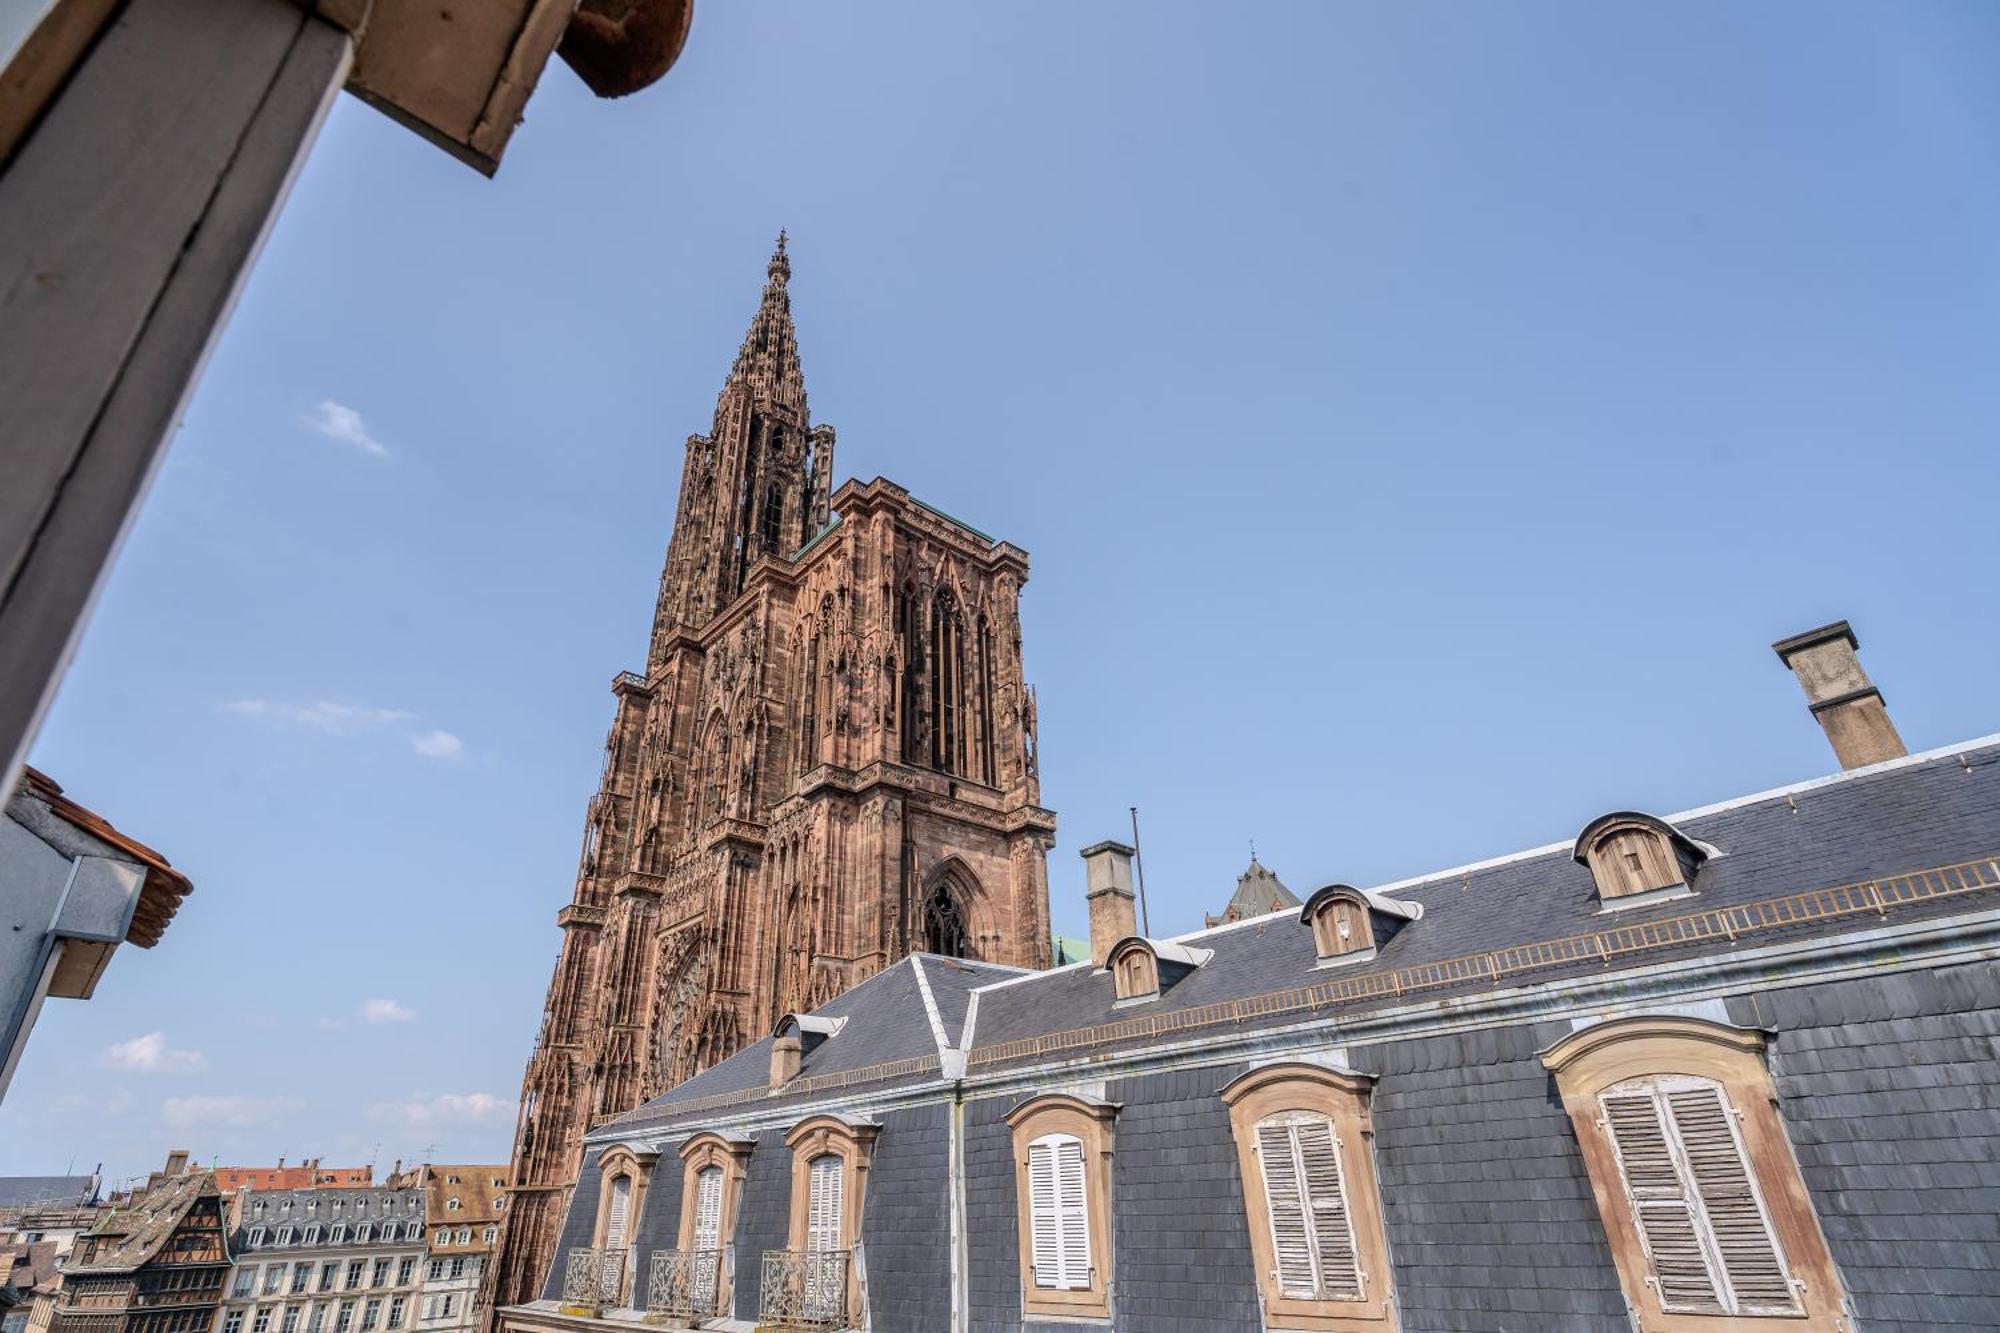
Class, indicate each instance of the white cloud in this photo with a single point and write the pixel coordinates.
(385, 1011)
(447, 1108)
(111, 1105)
(233, 1112)
(150, 1054)
(343, 425)
(440, 745)
(327, 715)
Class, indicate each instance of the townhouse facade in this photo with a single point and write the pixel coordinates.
(1725, 1071)
(325, 1260)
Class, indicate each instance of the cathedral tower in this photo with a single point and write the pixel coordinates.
(829, 763)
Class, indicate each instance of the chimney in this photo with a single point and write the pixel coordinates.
(787, 1052)
(1840, 696)
(1108, 891)
(281, 1163)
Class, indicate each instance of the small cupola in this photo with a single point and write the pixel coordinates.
(1637, 858)
(1351, 925)
(1142, 969)
(796, 1037)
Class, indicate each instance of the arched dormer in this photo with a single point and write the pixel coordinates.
(1351, 925)
(1141, 969)
(1637, 858)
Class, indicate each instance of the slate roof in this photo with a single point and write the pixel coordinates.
(47, 1191)
(888, 1023)
(1921, 813)
(143, 1226)
(332, 1205)
(1929, 811)
(1258, 891)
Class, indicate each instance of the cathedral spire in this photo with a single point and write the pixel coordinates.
(768, 361)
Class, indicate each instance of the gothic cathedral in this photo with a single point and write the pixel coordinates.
(829, 763)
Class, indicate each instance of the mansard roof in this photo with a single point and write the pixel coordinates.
(906, 1016)
(1903, 842)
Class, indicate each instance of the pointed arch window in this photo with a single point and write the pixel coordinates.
(945, 931)
(909, 630)
(947, 684)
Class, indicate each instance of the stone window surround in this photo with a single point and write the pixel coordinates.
(700, 1152)
(1341, 1095)
(621, 1161)
(1603, 1054)
(853, 1141)
(1092, 1122)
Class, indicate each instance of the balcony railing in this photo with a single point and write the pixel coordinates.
(685, 1284)
(803, 1289)
(594, 1278)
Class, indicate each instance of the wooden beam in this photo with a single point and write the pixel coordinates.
(128, 220)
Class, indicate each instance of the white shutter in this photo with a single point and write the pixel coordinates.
(1073, 1214)
(1312, 1236)
(614, 1226)
(1738, 1228)
(826, 1184)
(708, 1208)
(1046, 1256)
(1291, 1248)
(1695, 1202)
(1058, 1213)
(1326, 1195)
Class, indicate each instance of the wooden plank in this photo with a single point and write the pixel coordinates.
(94, 212)
(89, 503)
(43, 62)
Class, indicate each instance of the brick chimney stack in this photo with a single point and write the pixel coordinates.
(1108, 891)
(1840, 695)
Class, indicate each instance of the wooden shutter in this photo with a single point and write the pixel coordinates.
(1707, 1238)
(1738, 1228)
(614, 1226)
(826, 1188)
(1058, 1213)
(1073, 1214)
(708, 1208)
(1291, 1247)
(1312, 1236)
(1326, 1206)
(1046, 1244)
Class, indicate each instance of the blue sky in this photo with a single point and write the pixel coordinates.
(1422, 420)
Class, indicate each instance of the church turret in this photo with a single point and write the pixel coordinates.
(758, 483)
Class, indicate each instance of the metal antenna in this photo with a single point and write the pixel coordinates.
(1139, 863)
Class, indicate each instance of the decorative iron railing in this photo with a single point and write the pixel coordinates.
(685, 1284)
(594, 1277)
(803, 1289)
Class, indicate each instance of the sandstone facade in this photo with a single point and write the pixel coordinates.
(828, 763)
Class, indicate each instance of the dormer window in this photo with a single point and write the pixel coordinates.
(1141, 968)
(1637, 859)
(796, 1037)
(1350, 925)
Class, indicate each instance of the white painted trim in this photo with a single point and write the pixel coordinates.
(930, 1007)
(1455, 872)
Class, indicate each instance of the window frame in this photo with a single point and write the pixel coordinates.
(700, 1153)
(1091, 1123)
(1289, 1088)
(853, 1141)
(621, 1161)
(1615, 1052)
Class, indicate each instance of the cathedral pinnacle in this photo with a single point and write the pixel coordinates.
(780, 267)
(769, 359)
